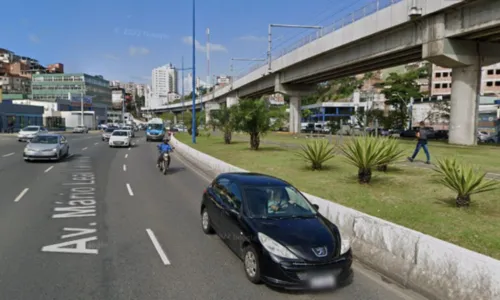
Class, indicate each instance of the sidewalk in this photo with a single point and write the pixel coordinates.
(405, 163)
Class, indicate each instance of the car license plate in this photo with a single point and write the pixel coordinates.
(324, 281)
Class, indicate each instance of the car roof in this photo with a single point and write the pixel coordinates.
(255, 179)
(51, 134)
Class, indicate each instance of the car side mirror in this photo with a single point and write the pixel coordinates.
(316, 206)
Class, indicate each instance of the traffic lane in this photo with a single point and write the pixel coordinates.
(31, 232)
(169, 206)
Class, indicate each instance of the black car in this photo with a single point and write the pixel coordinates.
(280, 236)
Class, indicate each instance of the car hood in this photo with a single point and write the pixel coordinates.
(154, 131)
(301, 236)
(119, 138)
(27, 132)
(41, 147)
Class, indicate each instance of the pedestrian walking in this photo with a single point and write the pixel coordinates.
(422, 135)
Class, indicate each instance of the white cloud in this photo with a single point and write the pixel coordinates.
(213, 47)
(252, 38)
(132, 50)
(33, 38)
(111, 56)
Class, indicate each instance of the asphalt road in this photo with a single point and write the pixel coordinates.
(105, 224)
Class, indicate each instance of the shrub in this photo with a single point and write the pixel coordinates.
(392, 152)
(463, 180)
(364, 153)
(316, 153)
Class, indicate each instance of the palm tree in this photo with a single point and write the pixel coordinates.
(253, 117)
(392, 152)
(224, 120)
(463, 180)
(316, 153)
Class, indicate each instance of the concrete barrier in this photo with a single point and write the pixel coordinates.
(435, 268)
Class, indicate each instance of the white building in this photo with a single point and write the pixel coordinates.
(164, 81)
(188, 84)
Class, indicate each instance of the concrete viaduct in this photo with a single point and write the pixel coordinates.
(460, 34)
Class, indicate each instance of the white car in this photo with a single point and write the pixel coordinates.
(120, 138)
(29, 132)
(130, 129)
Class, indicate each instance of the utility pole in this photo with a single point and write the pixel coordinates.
(208, 56)
(193, 123)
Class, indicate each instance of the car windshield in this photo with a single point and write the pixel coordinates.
(30, 128)
(276, 202)
(120, 133)
(45, 140)
(110, 130)
(155, 126)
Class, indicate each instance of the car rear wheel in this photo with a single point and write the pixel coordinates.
(205, 222)
(251, 264)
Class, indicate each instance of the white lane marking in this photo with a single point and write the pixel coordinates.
(130, 190)
(124, 167)
(84, 149)
(96, 143)
(21, 195)
(158, 248)
(128, 148)
(48, 169)
(9, 154)
(126, 155)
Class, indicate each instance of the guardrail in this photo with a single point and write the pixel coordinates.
(348, 19)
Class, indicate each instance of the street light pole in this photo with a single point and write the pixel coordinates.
(270, 38)
(208, 57)
(81, 105)
(193, 123)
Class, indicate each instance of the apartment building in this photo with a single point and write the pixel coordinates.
(164, 81)
(442, 80)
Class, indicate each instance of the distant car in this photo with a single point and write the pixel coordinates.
(46, 147)
(281, 237)
(80, 129)
(29, 132)
(129, 128)
(120, 138)
(107, 133)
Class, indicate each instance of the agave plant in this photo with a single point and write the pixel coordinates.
(316, 153)
(463, 180)
(392, 152)
(364, 153)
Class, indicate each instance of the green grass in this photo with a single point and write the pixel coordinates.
(409, 197)
(484, 156)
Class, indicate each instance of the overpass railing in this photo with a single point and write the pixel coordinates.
(365, 11)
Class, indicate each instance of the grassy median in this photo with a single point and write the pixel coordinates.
(484, 156)
(406, 196)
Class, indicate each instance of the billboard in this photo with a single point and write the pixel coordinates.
(223, 80)
(117, 97)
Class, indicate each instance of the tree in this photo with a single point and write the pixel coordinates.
(253, 117)
(224, 120)
(168, 116)
(187, 119)
(439, 111)
(398, 89)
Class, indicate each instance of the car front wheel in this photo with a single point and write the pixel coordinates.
(251, 264)
(205, 222)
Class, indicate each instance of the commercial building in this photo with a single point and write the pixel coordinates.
(15, 117)
(49, 87)
(164, 82)
(14, 84)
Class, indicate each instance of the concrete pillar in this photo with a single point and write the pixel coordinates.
(295, 114)
(175, 118)
(207, 116)
(465, 89)
(230, 101)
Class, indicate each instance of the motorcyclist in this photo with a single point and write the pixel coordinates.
(162, 148)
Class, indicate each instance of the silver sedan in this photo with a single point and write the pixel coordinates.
(46, 147)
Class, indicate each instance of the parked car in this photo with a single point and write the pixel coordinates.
(120, 138)
(281, 237)
(80, 129)
(29, 132)
(46, 147)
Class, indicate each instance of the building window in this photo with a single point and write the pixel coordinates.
(490, 72)
(437, 86)
(497, 71)
(489, 83)
(445, 85)
(438, 75)
(445, 74)
(497, 83)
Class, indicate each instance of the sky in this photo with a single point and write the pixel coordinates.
(124, 40)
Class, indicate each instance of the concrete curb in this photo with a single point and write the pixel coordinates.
(435, 268)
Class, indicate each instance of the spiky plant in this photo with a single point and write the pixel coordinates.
(392, 152)
(364, 153)
(464, 180)
(316, 153)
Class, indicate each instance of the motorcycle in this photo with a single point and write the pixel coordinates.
(164, 163)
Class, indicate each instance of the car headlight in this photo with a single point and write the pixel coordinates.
(274, 247)
(345, 245)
